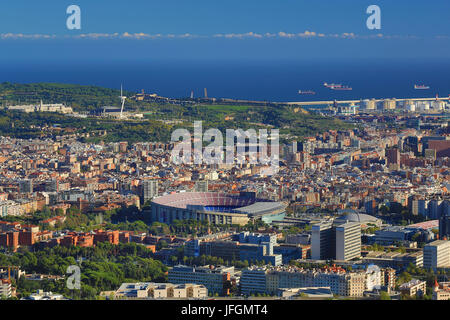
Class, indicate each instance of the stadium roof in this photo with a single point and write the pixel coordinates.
(260, 208)
(224, 202)
(182, 200)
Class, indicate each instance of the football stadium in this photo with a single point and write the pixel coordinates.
(216, 208)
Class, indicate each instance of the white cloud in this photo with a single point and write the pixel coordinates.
(248, 35)
(286, 35)
(96, 35)
(25, 36)
(238, 35)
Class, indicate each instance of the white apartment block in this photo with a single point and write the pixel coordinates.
(56, 107)
(161, 291)
(5, 289)
(348, 241)
(437, 255)
(10, 208)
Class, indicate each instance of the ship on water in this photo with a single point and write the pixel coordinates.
(306, 92)
(342, 88)
(331, 85)
(421, 87)
(339, 86)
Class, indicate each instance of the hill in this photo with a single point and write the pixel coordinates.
(293, 122)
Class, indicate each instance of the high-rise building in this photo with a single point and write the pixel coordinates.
(393, 157)
(149, 189)
(389, 104)
(411, 144)
(419, 207)
(389, 278)
(436, 255)
(336, 240)
(370, 104)
(434, 209)
(348, 241)
(323, 241)
(52, 185)
(444, 226)
(26, 186)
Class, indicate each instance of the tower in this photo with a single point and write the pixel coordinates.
(122, 99)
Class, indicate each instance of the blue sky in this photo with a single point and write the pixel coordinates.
(276, 29)
(230, 16)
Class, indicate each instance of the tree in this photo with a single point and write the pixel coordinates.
(173, 260)
(384, 295)
(404, 277)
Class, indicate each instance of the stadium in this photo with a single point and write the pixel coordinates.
(216, 208)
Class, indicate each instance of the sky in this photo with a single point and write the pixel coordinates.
(231, 29)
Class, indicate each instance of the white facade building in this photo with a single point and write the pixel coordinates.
(436, 255)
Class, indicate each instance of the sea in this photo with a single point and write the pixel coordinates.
(263, 80)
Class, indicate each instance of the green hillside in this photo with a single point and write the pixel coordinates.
(294, 122)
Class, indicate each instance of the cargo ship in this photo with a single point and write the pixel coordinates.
(421, 87)
(306, 92)
(332, 85)
(342, 88)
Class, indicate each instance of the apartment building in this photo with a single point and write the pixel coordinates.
(234, 250)
(5, 288)
(436, 255)
(395, 260)
(161, 291)
(270, 280)
(255, 280)
(323, 241)
(213, 278)
(149, 189)
(414, 287)
(336, 240)
(348, 241)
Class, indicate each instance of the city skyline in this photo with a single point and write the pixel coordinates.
(250, 151)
